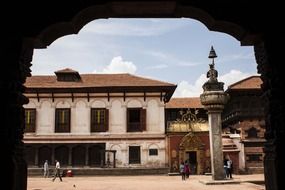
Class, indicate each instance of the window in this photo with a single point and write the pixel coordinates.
(30, 120)
(136, 119)
(99, 120)
(62, 120)
(254, 157)
(134, 155)
(153, 152)
(172, 115)
(252, 133)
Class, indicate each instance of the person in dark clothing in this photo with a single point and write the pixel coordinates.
(186, 169)
(229, 168)
(226, 167)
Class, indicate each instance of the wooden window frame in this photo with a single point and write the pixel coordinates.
(134, 154)
(138, 126)
(30, 120)
(62, 125)
(252, 132)
(97, 122)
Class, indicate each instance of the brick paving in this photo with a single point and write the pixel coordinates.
(154, 182)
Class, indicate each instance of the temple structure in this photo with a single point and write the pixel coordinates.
(187, 135)
(243, 119)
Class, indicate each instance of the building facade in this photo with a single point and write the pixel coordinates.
(96, 120)
(187, 132)
(186, 124)
(243, 119)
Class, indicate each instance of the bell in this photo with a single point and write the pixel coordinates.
(212, 53)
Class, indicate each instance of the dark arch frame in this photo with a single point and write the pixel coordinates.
(34, 27)
(57, 30)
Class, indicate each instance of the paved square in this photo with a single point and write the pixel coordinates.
(153, 182)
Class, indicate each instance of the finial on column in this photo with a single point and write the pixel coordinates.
(212, 55)
(212, 74)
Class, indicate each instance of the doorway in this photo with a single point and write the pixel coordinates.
(192, 159)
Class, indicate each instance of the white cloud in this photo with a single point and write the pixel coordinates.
(186, 89)
(117, 65)
(233, 76)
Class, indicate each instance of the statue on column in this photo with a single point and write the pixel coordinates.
(212, 74)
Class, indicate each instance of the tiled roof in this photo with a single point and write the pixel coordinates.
(252, 82)
(66, 70)
(94, 80)
(193, 102)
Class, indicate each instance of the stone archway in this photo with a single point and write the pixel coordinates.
(34, 27)
(192, 149)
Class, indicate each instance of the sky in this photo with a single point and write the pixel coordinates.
(169, 50)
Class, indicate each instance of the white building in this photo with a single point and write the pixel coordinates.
(90, 120)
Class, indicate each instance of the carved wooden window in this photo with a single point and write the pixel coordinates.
(30, 120)
(62, 120)
(252, 133)
(99, 120)
(136, 119)
(134, 155)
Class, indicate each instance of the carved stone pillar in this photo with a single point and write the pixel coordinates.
(16, 70)
(270, 66)
(213, 99)
(214, 102)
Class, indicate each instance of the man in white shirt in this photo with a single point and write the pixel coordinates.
(57, 170)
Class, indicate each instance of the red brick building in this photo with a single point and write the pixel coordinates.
(244, 116)
(187, 134)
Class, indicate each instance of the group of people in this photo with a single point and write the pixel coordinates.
(184, 169)
(56, 170)
(228, 167)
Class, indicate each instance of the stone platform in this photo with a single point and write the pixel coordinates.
(220, 182)
(103, 171)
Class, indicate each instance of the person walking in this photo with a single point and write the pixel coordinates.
(57, 170)
(186, 169)
(182, 171)
(229, 168)
(226, 167)
(46, 169)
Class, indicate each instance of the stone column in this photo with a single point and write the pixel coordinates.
(114, 158)
(214, 98)
(37, 156)
(86, 156)
(214, 102)
(70, 156)
(216, 146)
